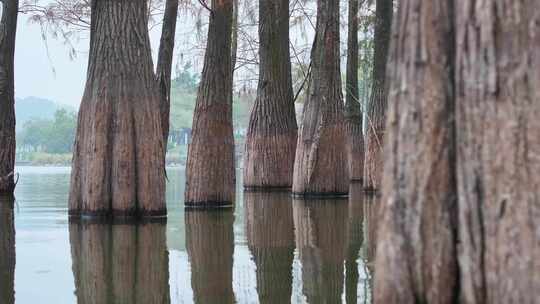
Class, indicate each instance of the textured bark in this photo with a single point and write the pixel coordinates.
(8, 29)
(320, 166)
(7, 250)
(270, 236)
(416, 258)
(272, 131)
(355, 236)
(112, 263)
(320, 227)
(497, 106)
(210, 246)
(210, 166)
(118, 166)
(376, 107)
(164, 65)
(353, 111)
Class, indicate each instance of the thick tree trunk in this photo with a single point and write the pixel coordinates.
(498, 128)
(8, 29)
(321, 160)
(353, 111)
(270, 236)
(416, 255)
(7, 250)
(112, 263)
(320, 227)
(118, 166)
(210, 166)
(272, 132)
(354, 243)
(376, 107)
(210, 246)
(164, 65)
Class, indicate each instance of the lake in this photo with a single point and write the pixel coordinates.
(269, 249)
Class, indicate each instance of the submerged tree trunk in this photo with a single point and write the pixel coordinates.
(498, 132)
(355, 238)
(210, 246)
(376, 107)
(320, 227)
(7, 250)
(353, 110)
(272, 131)
(8, 29)
(417, 228)
(210, 168)
(113, 263)
(164, 65)
(118, 166)
(270, 236)
(321, 165)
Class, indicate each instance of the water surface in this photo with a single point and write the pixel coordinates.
(269, 249)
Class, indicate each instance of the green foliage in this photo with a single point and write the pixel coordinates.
(51, 136)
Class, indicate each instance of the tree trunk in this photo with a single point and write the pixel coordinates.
(270, 236)
(497, 106)
(272, 132)
(376, 107)
(321, 166)
(8, 29)
(210, 166)
(353, 111)
(164, 65)
(210, 246)
(320, 227)
(416, 255)
(355, 238)
(118, 166)
(112, 263)
(7, 249)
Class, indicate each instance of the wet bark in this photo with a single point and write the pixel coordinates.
(272, 131)
(164, 65)
(118, 166)
(270, 236)
(355, 239)
(497, 98)
(7, 250)
(8, 29)
(320, 227)
(113, 263)
(377, 105)
(210, 246)
(210, 168)
(353, 109)
(416, 254)
(321, 165)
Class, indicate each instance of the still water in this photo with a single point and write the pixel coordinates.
(270, 249)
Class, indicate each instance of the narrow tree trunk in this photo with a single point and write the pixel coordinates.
(272, 132)
(7, 250)
(355, 238)
(353, 111)
(112, 263)
(270, 236)
(210, 166)
(164, 65)
(376, 107)
(321, 165)
(118, 165)
(498, 128)
(8, 29)
(320, 238)
(210, 246)
(416, 252)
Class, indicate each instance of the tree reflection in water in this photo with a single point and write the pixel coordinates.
(7, 250)
(210, 246)
(119, 263)
(270, 235)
